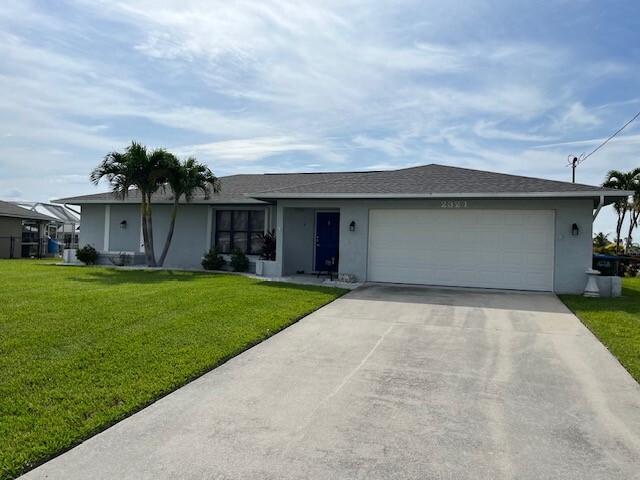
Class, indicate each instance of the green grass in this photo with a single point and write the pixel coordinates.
(615, 321)
(84, 347)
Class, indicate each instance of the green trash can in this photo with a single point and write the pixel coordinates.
(607, 265)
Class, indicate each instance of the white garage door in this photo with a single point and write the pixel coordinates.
(509, 249)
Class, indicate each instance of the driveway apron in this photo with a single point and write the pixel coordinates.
(392, 382)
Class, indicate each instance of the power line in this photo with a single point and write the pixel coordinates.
(603, 143)
(575, 161)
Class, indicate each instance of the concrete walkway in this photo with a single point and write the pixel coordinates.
(392, 382)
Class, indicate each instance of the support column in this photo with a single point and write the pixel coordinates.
(279, 239)
(107, 227)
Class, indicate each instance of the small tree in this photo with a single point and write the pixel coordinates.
(87, 255)
(239, 261)
(213, 260)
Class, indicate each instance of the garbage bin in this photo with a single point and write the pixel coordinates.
(607, 265)
(53, 247)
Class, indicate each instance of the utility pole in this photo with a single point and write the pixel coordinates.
(573, 163)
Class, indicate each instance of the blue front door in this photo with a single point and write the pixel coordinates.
(327, 239)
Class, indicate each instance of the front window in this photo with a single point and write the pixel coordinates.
(238, 230)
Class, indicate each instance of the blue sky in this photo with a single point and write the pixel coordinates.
(273, 86)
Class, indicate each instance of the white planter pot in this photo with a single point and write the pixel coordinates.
(267, 268)
(69, 255)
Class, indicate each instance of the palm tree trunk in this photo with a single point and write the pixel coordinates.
(634, 214)
(172, 224)
(151, 255)
(148, 251)
(621, 216)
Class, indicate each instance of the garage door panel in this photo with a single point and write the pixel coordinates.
(469, 218)
(492, 218)
(445, 275)
(514, 219)
(496, 249)
(512, 241)
(514, 278)
(464, 275)
(538, 260)
(513, 259)
(466, 257)
(537, 279)
(489, 258)
(537, 219)
(538, 240)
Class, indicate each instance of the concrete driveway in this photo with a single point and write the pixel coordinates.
(392, 382)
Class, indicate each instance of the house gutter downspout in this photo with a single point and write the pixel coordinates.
(595, 214)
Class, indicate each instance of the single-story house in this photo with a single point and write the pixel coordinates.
(433, 225)
(65, 227)
(20, 228)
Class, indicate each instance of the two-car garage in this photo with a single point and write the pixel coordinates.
(506, 249)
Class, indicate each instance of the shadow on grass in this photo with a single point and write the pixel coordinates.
(302, 286)
(629, 302)
(112, 276)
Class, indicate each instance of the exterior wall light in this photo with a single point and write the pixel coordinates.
(123, 224)
(574, 229)
(352, 226)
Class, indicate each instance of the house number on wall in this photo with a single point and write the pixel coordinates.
(453, 204)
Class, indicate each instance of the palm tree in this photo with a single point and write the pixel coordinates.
(634, 215)
(185, 180)
(622, 181)
(147, 172)
(601, 240)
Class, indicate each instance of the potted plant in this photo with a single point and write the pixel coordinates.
(266, 264)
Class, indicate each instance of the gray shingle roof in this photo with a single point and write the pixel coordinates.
(433, 179)
(10, 210)
(423, 180)
(233, 188)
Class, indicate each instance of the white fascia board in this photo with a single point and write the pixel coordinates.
(29, 217)
(584, 194)
(239, 201)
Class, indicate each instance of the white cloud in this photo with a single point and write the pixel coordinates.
(489, 130)
(630, 140)
(388, 146)
(249, 149)
(577, 116)
(13, 193)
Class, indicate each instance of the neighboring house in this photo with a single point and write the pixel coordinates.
(22, 232)
(66, 226)
(434, 225)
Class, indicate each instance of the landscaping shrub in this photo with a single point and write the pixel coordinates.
(267, 245)
(239, 261)
(121, 260)
(87, 255)
(213, 260)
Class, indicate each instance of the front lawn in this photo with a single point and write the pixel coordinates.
(615, 321)
(84, 347)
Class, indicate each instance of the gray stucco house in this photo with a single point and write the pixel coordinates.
(433, 224)
(22, 232)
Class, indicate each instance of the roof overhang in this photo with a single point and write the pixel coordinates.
(595, 195)
(30, 217)
(136, 201)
